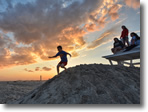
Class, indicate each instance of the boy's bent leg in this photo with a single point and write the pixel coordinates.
(58, 66)
(63, 66)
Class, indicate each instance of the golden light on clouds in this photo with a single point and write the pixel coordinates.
(38, 28)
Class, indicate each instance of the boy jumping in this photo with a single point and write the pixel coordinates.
(63, 56)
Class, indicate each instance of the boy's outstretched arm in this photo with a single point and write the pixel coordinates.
(52, 56)
(69, 54)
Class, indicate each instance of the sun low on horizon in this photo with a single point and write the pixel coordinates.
(31, 30)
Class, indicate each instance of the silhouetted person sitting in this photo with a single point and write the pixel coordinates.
(63, 56)
(135, 41)
(118, 45)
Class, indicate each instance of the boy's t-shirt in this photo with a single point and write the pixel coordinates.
(63, 56)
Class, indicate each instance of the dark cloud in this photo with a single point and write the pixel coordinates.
(2, 42)
(28, 70)
(43, 25)
(43, 69)
(37, 69)
(46, 69)
(45, 20)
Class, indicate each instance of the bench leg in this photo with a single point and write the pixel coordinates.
(119, 63)
(111, 62)
(131, 63)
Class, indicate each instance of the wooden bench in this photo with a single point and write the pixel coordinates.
(121, 57)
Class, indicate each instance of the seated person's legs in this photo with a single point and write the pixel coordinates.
(130, 47)
(117, 49)
(112, 50)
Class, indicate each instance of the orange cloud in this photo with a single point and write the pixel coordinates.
(104, 11)
(90, 27)
(74, 54)
(113, 11)
(133, 3)
(38, 28)
(102, 21)
(10, 58)
(73, 36)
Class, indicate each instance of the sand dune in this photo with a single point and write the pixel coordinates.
(89, 84)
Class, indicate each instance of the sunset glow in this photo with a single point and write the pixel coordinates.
(31, 30)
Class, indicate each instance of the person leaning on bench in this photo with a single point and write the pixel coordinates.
(118, 46)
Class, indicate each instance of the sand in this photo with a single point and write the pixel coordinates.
(13, 90)
(89, 84)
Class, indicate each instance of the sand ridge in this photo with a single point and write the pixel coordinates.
(89, 84)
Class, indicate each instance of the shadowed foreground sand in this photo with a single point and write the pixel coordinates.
(14, 90)
(89, 84)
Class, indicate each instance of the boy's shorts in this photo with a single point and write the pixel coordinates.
(63, 63)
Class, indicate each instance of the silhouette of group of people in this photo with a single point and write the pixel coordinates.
(123, 43)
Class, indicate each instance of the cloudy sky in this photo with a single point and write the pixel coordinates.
(31, 30)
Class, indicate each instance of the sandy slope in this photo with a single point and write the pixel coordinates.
(13, 90)
(89, 84)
